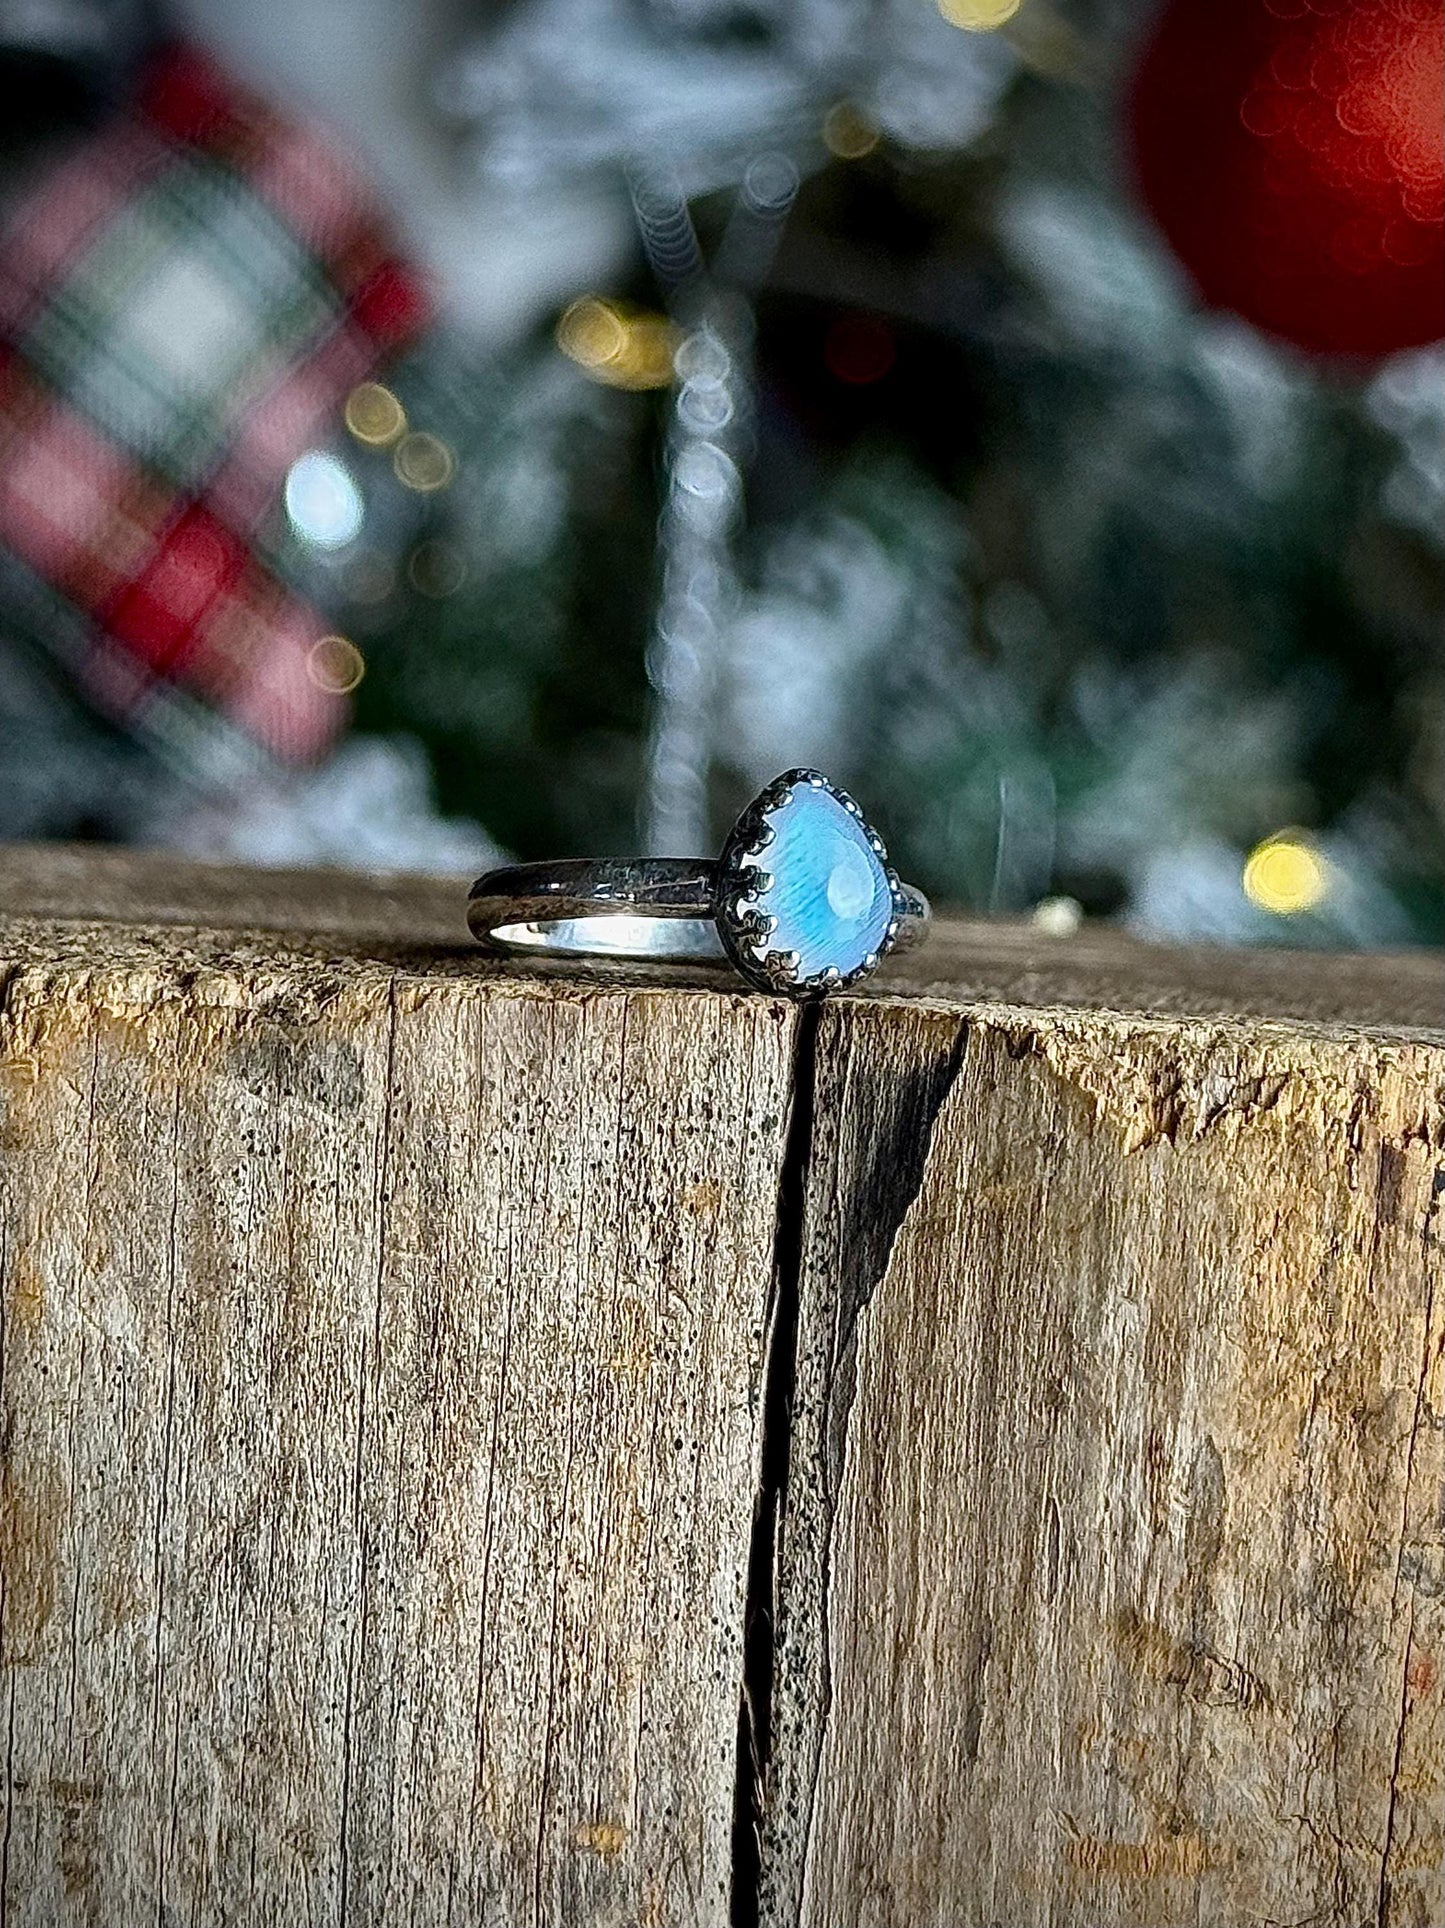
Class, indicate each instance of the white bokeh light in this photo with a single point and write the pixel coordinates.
(323, 501)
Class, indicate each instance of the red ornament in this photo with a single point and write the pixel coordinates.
(1291, 150)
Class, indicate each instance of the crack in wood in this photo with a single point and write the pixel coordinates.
(893, 1164)
(755, 1708)
(856, 1177)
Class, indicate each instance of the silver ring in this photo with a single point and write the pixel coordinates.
(803, 899)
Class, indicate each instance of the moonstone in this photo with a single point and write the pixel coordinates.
(830, 893)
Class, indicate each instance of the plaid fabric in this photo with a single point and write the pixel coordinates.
(184, 304)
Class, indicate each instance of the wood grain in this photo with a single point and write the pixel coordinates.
(437, 1394)
(380, 1392)
(1112, 1572)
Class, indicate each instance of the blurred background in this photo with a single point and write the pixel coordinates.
(431, 429)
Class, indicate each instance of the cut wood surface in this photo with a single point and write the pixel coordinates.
(441, 1396)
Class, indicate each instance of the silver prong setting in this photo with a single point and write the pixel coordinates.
(781, 969)
(748, 927)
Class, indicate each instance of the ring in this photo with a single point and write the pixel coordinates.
(802, 900)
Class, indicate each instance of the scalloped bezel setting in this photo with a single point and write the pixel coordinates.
(779, 926)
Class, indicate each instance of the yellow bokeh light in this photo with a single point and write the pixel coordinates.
(848, 133)
(978, 16)
(335, 665)
(375, 416)
(423, 462)
(592, 332)
(624, 347)
(646, 361)
(1286, 875)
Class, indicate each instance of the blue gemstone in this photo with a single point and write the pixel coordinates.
(830, 893)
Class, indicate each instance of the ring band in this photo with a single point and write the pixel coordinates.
(802, 900)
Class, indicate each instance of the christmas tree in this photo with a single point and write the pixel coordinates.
(1029, 420)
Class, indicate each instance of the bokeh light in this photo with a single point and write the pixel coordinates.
(591, 332)
(424, 462)
(1057, 916)
(848, 133)
(374, 415)
(978, 16)
(1286, 875)
(322, 500)
(622, 346)
(335, 665)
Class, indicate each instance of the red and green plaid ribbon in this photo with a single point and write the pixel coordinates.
(185, 302)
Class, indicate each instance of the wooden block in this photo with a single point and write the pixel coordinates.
(380, 1385)
(1112, 1583)
(490, 1445)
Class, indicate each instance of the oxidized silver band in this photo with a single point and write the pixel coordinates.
(687, 909)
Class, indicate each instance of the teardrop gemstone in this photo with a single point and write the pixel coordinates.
(830, 894)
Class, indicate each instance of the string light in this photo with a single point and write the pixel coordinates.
(978, 16)
(1286, 875)
(423, 462)
(622, 346)
(335, 665)
(848, 133)
(374, 415)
